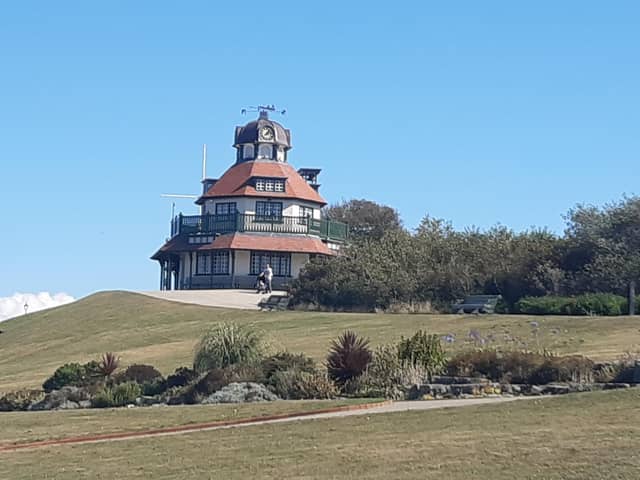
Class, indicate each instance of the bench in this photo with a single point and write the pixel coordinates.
(477, 304)
(274, 302)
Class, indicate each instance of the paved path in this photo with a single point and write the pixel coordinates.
(224, 298)
(368, 409)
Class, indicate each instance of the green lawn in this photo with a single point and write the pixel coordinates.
(144, 329)
(21, 427)
(585, 436)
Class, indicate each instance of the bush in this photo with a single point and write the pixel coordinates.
(574, 368)
(386, 376)
(522, 367)
(423, 350)
(73, 374)
(287, 361)
(228, 344)
(20, 400)
(348, 357)
(296, 384)
(181, 377)
(138, 374)
(118, 396)
(588, 304)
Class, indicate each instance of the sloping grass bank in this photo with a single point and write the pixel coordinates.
(147, 330)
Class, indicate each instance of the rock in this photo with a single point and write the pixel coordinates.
(84, 403)
(613, 386)
(241, 393)
(68, 405)
(57, 399)
(448, 380)
(146, 400)
(554, 389)
(536, 390)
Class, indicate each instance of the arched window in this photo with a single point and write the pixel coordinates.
(265, 151)
(247, 151)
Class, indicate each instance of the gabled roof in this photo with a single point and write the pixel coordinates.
(235, 182)
(243, 241)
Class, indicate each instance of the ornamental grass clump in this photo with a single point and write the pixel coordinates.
(108, 364)
(229, 344)
(423, 350)
(348, 357)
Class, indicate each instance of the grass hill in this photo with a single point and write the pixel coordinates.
(143, 329)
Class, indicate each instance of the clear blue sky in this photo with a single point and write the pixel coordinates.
(477, 112)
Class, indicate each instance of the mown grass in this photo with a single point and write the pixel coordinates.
(21, 427)
(147, 330)
(585, 436)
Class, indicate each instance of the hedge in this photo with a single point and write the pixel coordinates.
(606, 304)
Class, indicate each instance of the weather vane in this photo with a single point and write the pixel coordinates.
(263, 108)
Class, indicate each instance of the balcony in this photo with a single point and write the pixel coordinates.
(244, 222)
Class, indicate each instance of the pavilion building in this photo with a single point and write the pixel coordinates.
(260, 211)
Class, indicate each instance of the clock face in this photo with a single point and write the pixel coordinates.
(266, 133)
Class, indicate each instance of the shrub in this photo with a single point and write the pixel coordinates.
(213, 381)
(20, 400)
(228, 344)
(574, 368)
(587, 304)
(73, 374)
(423, 350)
(522, 367)
(287, 361)
(296, 384)
(181, 377)
(118, 396)
(139, 374)
(103, 398)
(386, 376)
(109, 363)
(348, 357)
(155, 387)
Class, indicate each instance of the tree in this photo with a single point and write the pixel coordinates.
(366, 219)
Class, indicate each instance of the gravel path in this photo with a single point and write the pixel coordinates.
(371, 409)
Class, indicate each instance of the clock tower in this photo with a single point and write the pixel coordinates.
(260, 212)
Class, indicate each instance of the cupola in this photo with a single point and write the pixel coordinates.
(263, 140)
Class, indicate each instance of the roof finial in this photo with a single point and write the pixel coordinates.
(264, 110)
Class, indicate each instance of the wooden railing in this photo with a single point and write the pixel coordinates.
(244, 222)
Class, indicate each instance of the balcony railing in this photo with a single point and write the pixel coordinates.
(245, 222)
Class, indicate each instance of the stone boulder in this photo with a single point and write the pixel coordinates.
(244, 392)
(64, 399)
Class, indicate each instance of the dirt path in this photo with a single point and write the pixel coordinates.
(362, 409)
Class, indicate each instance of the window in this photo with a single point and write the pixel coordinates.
(268, 211)
(220, 262)
(280, 263)
(247, 151)
(203, 263)
(305, 214)
(280, 154)
(226, 208)
(265, 151)
(214, 263)
(270, 185)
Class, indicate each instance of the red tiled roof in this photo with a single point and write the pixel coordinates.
(243, 241)
(234, 182)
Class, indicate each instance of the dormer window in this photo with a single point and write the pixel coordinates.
(247, 151)
(265, 151)
(270, 185)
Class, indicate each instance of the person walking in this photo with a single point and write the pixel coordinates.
(268, 276)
